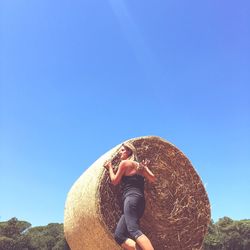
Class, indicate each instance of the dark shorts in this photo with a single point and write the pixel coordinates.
(128, 225)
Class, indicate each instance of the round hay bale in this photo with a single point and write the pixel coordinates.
(177, 207)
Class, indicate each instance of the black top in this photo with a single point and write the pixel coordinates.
(133, 184)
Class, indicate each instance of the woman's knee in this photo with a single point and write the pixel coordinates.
(129, 244)
(119, 239)
(144, 242)
(135, 232)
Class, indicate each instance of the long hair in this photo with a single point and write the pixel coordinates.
(130, 147)
(115, 159)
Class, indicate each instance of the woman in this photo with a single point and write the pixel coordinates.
(131, 174)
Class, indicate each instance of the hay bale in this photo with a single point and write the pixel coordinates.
(177, 207)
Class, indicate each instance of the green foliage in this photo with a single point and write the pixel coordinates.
(18, 235)
(13, 227)
(226, 234)
(47, 237)
(61, 245)
(12, 234)
(6, 243)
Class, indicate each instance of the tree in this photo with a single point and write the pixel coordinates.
(6, 243)
(12, 234)
(212, 240)
(226, 234)
(13, 227)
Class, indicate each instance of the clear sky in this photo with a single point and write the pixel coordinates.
(79, 77)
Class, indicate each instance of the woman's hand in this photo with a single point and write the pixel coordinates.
(142, 165)
(145, 171)
(145, 162)
(107, 165)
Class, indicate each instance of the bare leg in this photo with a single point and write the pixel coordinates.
(129, 244)
(144, 242)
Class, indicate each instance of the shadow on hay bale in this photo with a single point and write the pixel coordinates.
(177, 207)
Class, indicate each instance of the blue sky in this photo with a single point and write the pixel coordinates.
(79, 77)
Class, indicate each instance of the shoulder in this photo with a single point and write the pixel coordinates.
(128, 163)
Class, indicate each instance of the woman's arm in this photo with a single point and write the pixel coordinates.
(145, 171)
(116, 177)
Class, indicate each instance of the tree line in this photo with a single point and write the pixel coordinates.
(225, 234)
(19, 235)
(228, 234)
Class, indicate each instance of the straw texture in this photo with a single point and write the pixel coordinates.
(177, 207)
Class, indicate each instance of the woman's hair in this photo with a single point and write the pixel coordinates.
(115, 159)
(130, 147)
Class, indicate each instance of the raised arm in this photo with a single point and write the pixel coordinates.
(116, 177)
(146, 172)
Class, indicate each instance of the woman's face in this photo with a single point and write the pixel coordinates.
(124, 153)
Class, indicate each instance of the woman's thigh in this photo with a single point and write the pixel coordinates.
(133, 210)
(134, 206)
